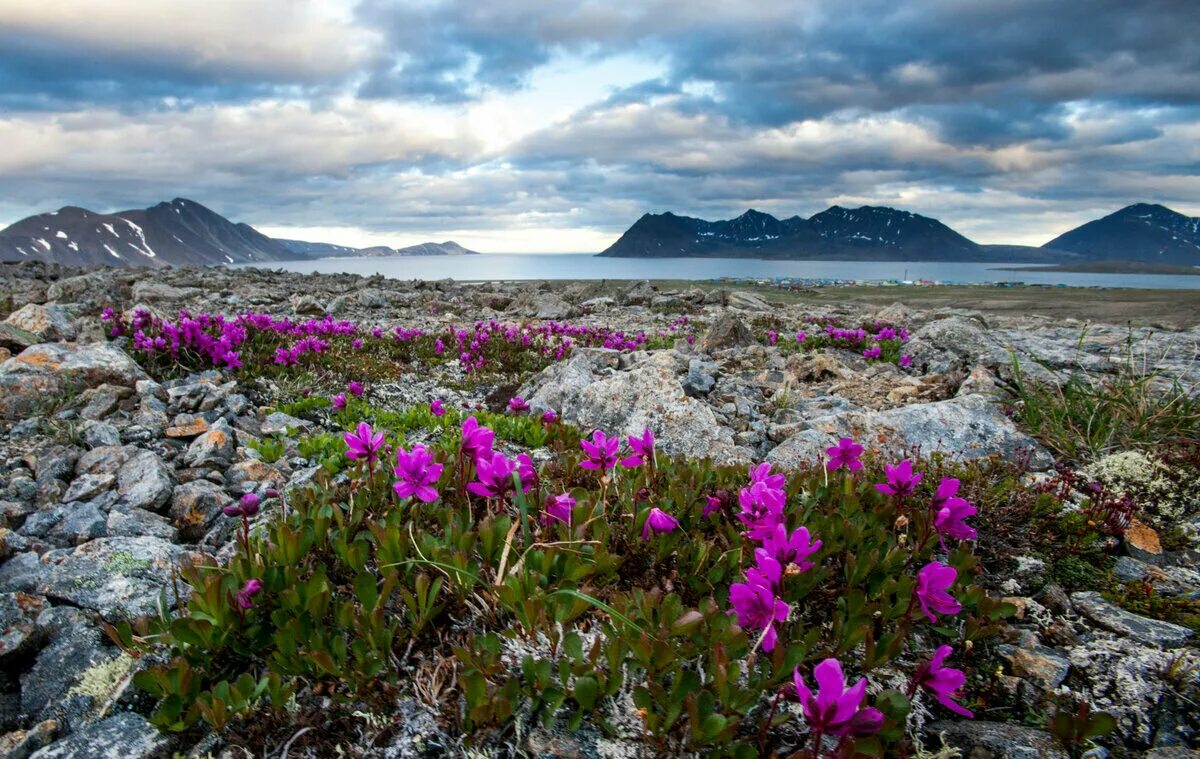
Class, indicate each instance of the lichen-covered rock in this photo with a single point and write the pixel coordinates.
(1126, 678)
(214, 448)
(48, 370)
(651, 395)
(122, 736)
(74, 646)
(117, 577)
(49, 323)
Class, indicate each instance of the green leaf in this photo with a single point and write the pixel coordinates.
(586, 690)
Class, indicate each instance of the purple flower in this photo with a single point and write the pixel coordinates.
(946, 489)
(801, 336)
(943, 682)
(836, 709)
(476, 439)
(437, 408)
(356, 343)
(844, 454)
(772, 337)
(247, 592)
(494, 473)
(932, 583)
(791, 549)
(757, 608)
(527, 472)
(766, 570)
(711, 505)
(549, 417)
(901, 480)
(416, 474)
(642, 447)
(339, 401)
(762, 473)
(659, 521)
(949, 521)
(355, 388)
(517, 405)
(558, 507)
(873, 352)
(601, 452)
(762, 510)
(905, 361)
(363, 443)
(247, 506)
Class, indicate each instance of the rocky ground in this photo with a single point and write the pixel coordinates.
(109, 478)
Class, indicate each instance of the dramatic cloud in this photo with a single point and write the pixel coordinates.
(553, 126)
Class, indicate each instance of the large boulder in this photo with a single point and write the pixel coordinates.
(540, 305)
(967, 427)
(650, 394)
(149, 291)
(116, 577)
(49, 370)
(48, 323)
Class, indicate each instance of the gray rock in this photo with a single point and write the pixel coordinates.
(19, 632)
(75, 646)
(149, 291)
(49, 323)
(280, 423)
(700, 379)
(124, 521)
(968, 427)
(196, 505)
(1143, 629)
(997, 740)
(648, 395)
(637, 294)
(747, 301)
(117, 577)
(122, 736)
(145, 482)
(80, 523)
(728, 331)
(104, 459)
(98, 434)
(1043, 666)
(87, 486)
(307, 305)
(214, 448)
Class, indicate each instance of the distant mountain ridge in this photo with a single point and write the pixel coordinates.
(1143, 232)
(864, 233)
(181, 232)
(327, 250)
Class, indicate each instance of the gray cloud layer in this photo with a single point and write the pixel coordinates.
(1041, 113)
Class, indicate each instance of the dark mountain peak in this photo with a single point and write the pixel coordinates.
(1143, 232)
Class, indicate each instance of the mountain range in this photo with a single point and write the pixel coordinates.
(179, 233)
(1141, 232)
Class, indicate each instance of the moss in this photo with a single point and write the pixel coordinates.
(1073, 572)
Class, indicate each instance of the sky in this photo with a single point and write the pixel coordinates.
(538, 126)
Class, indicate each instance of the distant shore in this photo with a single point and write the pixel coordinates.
(1110, 267)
